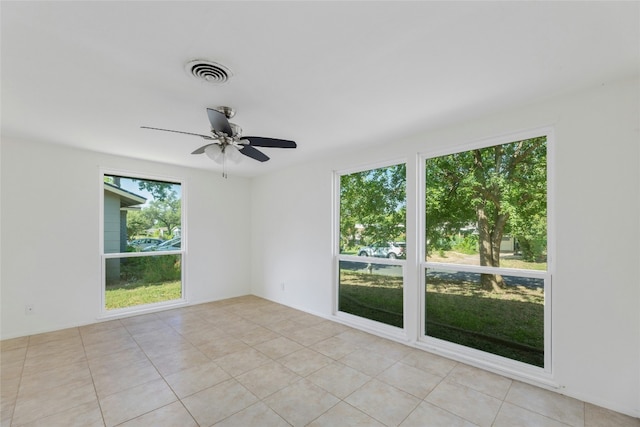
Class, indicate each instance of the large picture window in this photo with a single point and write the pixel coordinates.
(142, 242)
(372, 244)
(486, 247)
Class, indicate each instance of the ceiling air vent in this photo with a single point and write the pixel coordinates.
(208, 71)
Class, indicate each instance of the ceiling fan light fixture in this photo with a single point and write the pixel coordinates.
(214, 152)
(208, 71)
(219, 154)
(233, 154)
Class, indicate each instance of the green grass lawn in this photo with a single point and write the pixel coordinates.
(132, 294)
(509, 324)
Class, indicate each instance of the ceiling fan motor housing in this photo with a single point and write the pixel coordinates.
(227, 111)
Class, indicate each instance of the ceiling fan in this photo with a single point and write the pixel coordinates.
(228, 141)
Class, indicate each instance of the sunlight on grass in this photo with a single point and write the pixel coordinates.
(372, 296)
(132, 294)
(508, 323)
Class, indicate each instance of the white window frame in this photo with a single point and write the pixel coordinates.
(140, 309)
(379, 328)
(477, 357)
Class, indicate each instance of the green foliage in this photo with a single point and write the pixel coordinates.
(534, 250)
(162, 268)
(465, 244)
(498, 190)
(138, 223)
(164, 212)
(375, 199)
(151, 269)
(160, 190)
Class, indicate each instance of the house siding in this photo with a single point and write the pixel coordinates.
(111, 233)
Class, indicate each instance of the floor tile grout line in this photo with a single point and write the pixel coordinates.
(289, 334)
(328, 409)
(66, 409)
(93, 382)
(540, 414)
(502, 402)
(24, 361)
(495, 417)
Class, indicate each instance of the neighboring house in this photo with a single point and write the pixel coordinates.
(117, 202)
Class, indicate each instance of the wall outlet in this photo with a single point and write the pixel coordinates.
(28, 309)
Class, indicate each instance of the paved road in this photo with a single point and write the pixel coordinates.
(528, 282)
(396, 271)
(382, 269)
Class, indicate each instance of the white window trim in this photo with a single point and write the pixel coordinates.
(491, 362)
(103, 313)
(382, 329)
(414, 266)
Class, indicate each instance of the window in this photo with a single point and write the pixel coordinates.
(486, 249)
(142, 241)
(372, 220)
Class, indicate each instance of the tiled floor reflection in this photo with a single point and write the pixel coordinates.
(250, 362)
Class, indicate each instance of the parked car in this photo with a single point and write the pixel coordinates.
(140, 244)
(391, 250)
(169, 245)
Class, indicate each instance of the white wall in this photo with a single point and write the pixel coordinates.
(596, 285)
(50, 234)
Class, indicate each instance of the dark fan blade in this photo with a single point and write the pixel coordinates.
(178, 131)
(249, 151)
(219, 122)
(201, 149)
(258, 141)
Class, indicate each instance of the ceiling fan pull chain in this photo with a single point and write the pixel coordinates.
(224, 165)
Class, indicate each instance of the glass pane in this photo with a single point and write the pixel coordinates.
(141, 215)
(142, 280)
(461, 310)
(488, 206)
(373, 211)
(372, 291)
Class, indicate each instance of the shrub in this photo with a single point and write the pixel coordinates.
(161, 268)
(151, 269)
(466, 245)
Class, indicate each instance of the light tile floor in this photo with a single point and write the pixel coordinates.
(250, 362)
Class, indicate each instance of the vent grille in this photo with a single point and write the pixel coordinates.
(208, 71)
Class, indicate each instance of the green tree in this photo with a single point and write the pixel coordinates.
(137, 223)
(160, 190)
(164, 212)
(499, 189)
(375, 199)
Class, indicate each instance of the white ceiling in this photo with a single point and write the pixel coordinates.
(325, 74)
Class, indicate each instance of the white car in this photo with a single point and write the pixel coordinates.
(392, 250)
